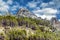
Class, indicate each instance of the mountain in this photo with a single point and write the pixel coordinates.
(55, 23)
(25, 13)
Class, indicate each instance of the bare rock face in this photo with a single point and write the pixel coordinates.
(55, 23)
(25, 13)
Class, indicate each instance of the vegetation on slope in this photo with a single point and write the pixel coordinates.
(24, 28)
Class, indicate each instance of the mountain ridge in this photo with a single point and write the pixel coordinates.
(26, 13)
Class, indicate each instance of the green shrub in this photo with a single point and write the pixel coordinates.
(16, 34)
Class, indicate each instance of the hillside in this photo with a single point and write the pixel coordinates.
(24, 28)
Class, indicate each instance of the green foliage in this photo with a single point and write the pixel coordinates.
(16, 34)
(39, 28)
(21, 34)
(13, 21)
(47, 35)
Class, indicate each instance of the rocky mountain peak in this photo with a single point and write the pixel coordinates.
(25, 13)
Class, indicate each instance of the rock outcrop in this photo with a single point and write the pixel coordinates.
(25, 13)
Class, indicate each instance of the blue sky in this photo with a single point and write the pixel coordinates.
(42, 8)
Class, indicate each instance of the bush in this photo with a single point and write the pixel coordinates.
(16, 34)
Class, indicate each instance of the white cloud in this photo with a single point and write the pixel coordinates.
(48, 17)
(3, 6)
(14, 7)
(9, 2)
(49, 10)
(1, 2)
(59, 20)
(46, 11)
(57, 3)
(44, 5)
(51, 3)
(32, 4)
